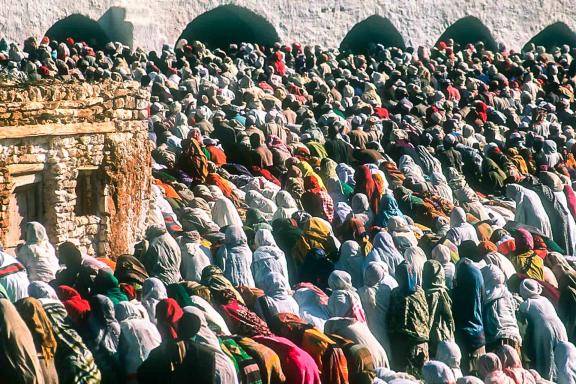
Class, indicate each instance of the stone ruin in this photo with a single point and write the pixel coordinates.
(76, 158)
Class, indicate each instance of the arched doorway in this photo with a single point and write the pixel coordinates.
(554, 35)
(80, 28)
(469, 30)
(374, 30)
(229, 24)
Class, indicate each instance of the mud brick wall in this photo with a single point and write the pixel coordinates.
(52, 133)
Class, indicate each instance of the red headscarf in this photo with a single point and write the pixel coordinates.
(365, 184)
(168, 312)
(482, 109)
(523, 240)
(279, 66)
(75, 305)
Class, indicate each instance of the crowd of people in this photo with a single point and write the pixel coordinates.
(397, 216)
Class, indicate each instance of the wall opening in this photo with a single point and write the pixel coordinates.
(554, 35)
(374, 30)
(80, 28)
(229, 24)
(89, 188)
(25, 205)
(469, 30)
(117, 28)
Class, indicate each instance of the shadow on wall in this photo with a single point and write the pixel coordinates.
(229, 24)
(374, 30)
(554, 35)
(469, 30)
(110, 27)
(115, 24)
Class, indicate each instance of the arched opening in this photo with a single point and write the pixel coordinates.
(80, 28)
(554, 35)
(116, 26)
(469, 30)
(229, 24)
(374, 30)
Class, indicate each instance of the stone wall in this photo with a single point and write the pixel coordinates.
(420, 22)
(55, 135)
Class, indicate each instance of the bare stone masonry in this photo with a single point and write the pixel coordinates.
(75, 157)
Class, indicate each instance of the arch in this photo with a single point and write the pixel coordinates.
(116, 26)
(80, 28)
(554, 35)
(227, 24)
(469, 30)
(373, 30)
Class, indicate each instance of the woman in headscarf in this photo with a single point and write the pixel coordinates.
(361, 208)
(364, 183)
(178, 358)
(18, 357)
(524, 259)
(512, 365)
(317, 233)
(441, 253)
(104, 338)
(256, 200)
(337, 190)
(545, 329)
(467, 310)
(152, 292)
(384, 250)
(493, 177)
(195, 256)
(225, 369)
(408, 321)
(316, 201)
(313, 305)
(224, 213)
(74, 361)
(129, 270)
(238, 317)
(180, 294)
(163, 257)
(529, 209)
(565, 355)
(298, 366)
(460, 229)
(449, 353)
(286, 206)
(489, 252)
(235, 257)
(401, 233)
(138, 336)
(388, 208)
(344, 301)
(554, 182)
(415, 257)
(276, 299)
(439, 305)
(77, 307)
(267, 258)
(37, 254)
(106, 284)
(13, 277)
(499, 311)
(436, 372)
(351, 260)
(31, 311)
(567, 303)
(359, 333)
(375, 299)
(490, 369)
